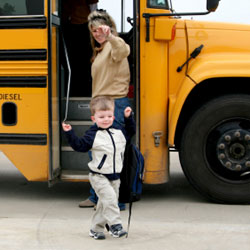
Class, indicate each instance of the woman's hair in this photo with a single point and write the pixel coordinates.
(102, 103)
(95, 19)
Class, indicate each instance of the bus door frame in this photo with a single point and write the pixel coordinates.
(54, 92)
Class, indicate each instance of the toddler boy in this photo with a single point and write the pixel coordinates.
(107, 143)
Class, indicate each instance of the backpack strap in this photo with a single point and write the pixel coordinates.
(129, 216)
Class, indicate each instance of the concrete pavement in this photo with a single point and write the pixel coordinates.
(169, 216)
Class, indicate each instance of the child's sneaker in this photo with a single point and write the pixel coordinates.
(97, 235)
(117, 231)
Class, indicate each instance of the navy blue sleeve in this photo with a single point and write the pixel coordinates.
(129, 129)
(84, 143)
(130, 126)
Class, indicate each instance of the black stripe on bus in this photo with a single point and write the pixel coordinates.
(24, 139)
(20, 82)
(23, 23)
(29, 54)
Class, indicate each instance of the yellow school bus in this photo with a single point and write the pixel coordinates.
(189, 90)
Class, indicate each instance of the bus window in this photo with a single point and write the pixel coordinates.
(21, 7)
(158, 4)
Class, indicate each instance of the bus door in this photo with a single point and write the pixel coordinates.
(24, 126)
(155, 35)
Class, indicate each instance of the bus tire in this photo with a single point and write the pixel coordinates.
(215, 149)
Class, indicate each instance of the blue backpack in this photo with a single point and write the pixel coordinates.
(131, 175)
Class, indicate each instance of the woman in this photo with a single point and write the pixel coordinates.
(109, 70)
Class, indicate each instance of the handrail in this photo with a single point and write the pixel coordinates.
(69, 78)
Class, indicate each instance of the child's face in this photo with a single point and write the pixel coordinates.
(103, 118)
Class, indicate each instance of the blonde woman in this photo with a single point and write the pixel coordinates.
(110, 68)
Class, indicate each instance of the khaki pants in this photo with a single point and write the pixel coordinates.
(107, 210)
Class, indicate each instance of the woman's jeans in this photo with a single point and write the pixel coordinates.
(120, 105)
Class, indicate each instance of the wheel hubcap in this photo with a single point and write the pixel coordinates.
(233, 150)
(228, 150)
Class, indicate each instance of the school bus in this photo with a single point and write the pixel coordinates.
(189, 90)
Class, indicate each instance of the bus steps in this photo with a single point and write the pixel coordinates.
(79, 118)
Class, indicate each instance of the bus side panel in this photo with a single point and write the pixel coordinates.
(31, 128)
(24, 100)
(30, 160)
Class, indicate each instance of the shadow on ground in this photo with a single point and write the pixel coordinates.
(13, 184)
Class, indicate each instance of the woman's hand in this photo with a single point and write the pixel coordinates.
(66, 127)
(101, 33)
(127, 112)
(104, 31)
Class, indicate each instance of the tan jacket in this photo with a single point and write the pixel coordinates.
(110, 70)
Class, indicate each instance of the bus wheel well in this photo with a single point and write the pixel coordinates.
(206, 91)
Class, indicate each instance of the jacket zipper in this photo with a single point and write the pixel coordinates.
(112, 139)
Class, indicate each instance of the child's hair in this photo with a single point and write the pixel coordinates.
(102, 103)
(95, 19)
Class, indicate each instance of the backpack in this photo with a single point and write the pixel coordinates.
(131, 177)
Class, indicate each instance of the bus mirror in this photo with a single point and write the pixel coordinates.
(212, 5)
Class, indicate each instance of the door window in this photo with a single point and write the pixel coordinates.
(158, 4)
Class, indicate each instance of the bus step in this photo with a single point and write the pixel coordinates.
(78, 108)
(69, 175)
(72, 160)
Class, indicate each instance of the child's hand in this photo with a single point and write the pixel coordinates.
(127, 112)
(66, 127)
